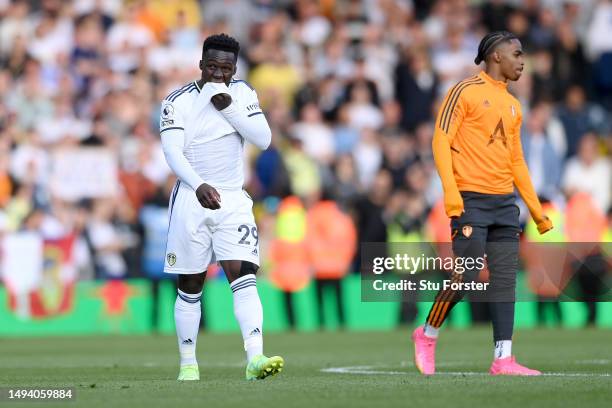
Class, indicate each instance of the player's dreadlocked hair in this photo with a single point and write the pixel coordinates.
(490, 41)
(222, 42)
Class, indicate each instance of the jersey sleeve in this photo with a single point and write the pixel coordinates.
(170, 117)
(172, 132)
(252, 103)
(451, 114)
(246, 116)
(449, 119)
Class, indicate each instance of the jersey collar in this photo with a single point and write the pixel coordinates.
(498, 84)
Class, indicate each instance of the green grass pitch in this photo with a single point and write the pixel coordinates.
(328, 369)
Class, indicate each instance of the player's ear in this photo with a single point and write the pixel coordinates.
(201, 65)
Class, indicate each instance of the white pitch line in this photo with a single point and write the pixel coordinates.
(600, 362)
(371, 370)
(359, 370)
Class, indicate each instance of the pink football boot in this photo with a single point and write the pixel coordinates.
(509, 366)
(424, 351)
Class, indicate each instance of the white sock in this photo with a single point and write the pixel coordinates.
(187, 312)
(431, 331)
(249, 314)
(503, 349)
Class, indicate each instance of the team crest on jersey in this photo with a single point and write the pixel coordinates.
(171, 258)
(167, 112)
(467, 231)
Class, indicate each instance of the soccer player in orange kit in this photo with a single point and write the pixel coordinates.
(478, 155)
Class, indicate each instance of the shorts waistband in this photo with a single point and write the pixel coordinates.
(473, 194)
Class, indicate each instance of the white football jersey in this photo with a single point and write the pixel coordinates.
(212, 146)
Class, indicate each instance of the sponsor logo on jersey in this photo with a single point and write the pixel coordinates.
(253, 107)
(486, 103)
(167, 122)
(498, 134)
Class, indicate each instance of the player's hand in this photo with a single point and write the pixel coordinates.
(208, 197)
(221, 101)
(544, 225)
(453, 204)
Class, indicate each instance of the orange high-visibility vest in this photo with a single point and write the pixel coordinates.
(290, 269)
(331, 240)
(584, 220)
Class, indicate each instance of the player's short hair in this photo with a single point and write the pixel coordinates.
(221, 42)
(490, 41)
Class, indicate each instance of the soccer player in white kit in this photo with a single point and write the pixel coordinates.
(203, 128)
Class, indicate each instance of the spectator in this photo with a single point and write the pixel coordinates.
(416, 88)
(126, 39)
(454, 61)
(589, 173)
(599, 35)
(345, 136)
(369, 211)
(545, 85)
(276, 79)
(316, 137)
(543, 162)
(105, 243)
(569, 62)
(579, 116)
(17, 25)
(494, 14)
(361, 109)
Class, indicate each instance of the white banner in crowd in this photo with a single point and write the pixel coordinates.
(84, 173)
(21, 267)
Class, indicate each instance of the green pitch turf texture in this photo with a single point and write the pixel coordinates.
(328, 369)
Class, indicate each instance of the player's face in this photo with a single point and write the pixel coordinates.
(511, 59)
(218, 66)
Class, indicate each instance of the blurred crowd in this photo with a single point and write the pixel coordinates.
(350, 88)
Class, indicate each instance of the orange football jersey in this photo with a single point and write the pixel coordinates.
(481, 121)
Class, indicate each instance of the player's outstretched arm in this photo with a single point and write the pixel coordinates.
(523, 183)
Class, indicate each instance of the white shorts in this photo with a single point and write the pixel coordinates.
(198, 236)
